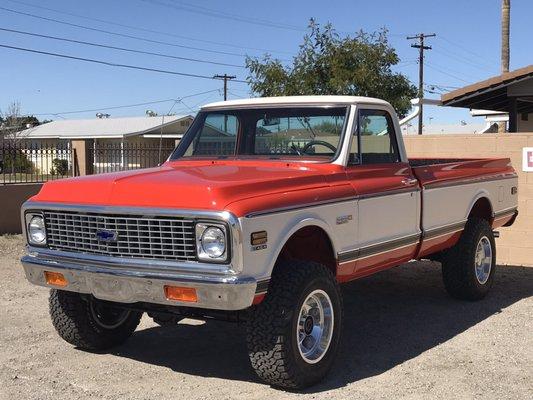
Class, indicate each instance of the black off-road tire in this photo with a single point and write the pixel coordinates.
(74, 319)
(458, 264)
(272, 325)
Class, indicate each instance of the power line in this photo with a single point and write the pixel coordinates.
(442, 86)
(182, 6)
(460, 59)
(118, 48)
(126, 105)
(137, 28)
(111, 64)
(466, 50)
(121, 34)
(446, 73)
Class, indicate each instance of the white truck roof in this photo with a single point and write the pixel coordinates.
(294, 100)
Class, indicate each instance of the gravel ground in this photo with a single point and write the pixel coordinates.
(403, 338)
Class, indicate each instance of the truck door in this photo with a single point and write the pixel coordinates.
(388, 193)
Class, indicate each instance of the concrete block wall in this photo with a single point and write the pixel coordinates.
(11, 198)
(515, 245)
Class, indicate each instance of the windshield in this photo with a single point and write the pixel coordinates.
(282, 132)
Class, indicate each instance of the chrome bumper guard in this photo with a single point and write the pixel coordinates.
(125, 284)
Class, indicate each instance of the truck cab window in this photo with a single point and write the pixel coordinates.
(377, 137)
(217, 137)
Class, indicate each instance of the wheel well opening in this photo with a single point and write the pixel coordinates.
(481, 209)
(310, 243)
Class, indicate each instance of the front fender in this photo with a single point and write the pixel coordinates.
(282, 226)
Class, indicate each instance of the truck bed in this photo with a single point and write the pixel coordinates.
(450, 171)
(449, 189)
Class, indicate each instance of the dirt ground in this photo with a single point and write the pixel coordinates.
(403, 338)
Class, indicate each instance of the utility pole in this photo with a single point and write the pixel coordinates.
(226, 78)
(421, 47)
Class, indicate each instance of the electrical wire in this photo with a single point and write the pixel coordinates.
(460, 59)
(181, 6)
(445, 73)
(466, 50)
(112, 64)
(118, 48)
(106, 108)
(137, 28)
(194, 8)
(121, 34)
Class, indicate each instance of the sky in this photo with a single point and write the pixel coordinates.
(465, 50)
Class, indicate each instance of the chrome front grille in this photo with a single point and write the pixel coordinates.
(137, 236)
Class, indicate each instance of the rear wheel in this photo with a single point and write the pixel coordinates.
(89, 323)
(293, 335)
(468, 268)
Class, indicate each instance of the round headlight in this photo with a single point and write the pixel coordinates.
(214, 242)
(36, 230)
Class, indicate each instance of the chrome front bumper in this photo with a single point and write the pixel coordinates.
(125, 283)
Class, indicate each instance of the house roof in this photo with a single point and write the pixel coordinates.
(295, 100)
(103, 128)
(490, 94)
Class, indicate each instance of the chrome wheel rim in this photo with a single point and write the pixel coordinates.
(315, 326)
(108, 317)
(483, 260)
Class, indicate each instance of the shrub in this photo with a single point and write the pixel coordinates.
(59, 167)
(17, 162)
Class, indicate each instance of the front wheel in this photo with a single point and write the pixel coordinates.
(293, 335)
(89, 323)
(468, 268)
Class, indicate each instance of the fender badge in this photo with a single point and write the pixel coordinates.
(344, 219)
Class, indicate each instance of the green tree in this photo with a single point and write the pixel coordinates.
(328, 64)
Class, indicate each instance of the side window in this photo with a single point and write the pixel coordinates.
(377, 137)
(217, 136)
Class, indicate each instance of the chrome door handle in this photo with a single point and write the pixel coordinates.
(409, 181)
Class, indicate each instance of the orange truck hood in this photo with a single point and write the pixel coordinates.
(210, 185)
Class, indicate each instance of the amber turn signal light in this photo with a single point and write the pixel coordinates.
(181, 294)
(258, 238)
(55, 278)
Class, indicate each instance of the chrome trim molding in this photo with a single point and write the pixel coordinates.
(505, 212)
(377, 248)
(300, 206)
(468, 181)
(262, 286)
(443, 230)
(126, 285)
(332, 201)
(389, 193)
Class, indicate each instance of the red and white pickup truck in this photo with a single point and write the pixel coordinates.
(263, 209)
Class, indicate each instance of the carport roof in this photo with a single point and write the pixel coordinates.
(492, 93)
